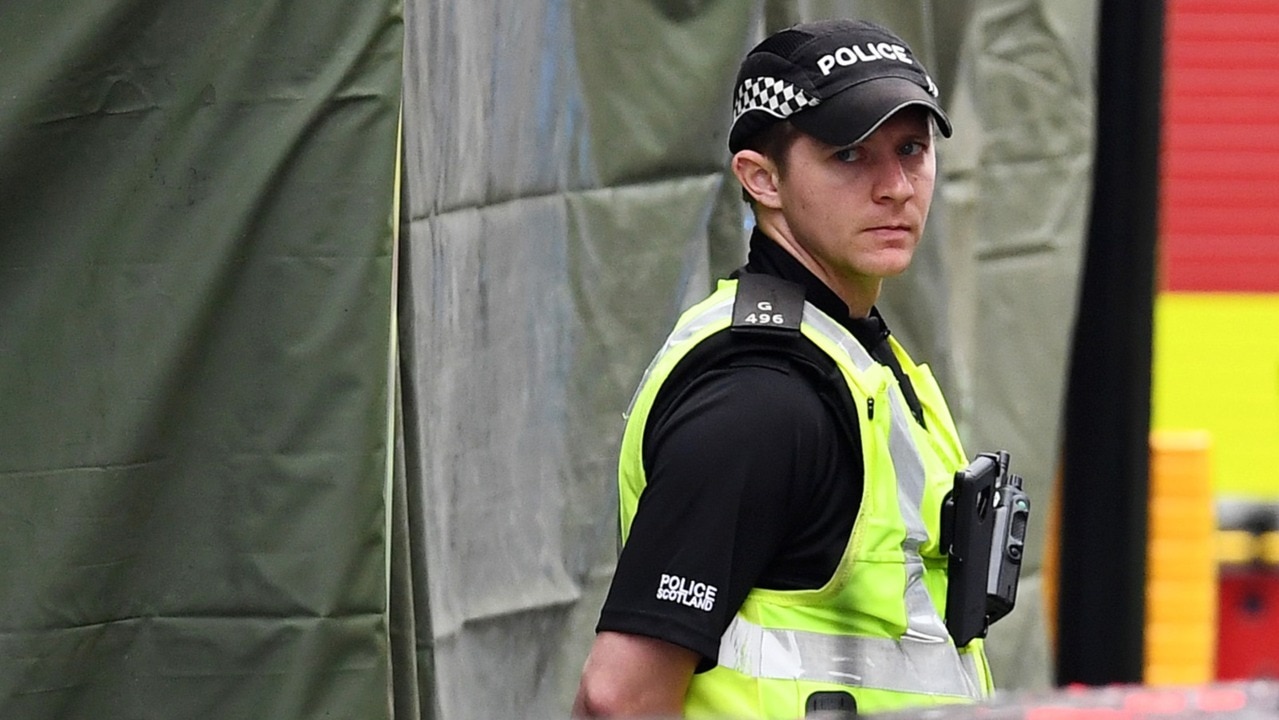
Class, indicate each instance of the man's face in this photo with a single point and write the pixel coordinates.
(858, 211)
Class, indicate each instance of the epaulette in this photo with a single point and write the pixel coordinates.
(767, 305)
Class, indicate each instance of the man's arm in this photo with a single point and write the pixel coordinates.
(634, 675)
(714, 514)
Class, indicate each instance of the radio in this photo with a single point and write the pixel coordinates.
(983, 530)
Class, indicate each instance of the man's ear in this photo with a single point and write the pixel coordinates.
(759, 177)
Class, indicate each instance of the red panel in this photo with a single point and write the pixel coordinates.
(1248, 623)
(1217, 223)
(1184, 136)
(1219, 175)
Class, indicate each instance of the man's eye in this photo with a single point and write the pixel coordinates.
(912, 148)
(846, 155)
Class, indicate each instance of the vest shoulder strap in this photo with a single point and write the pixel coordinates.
(767, 305)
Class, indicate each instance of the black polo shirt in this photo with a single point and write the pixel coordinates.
(752, 482)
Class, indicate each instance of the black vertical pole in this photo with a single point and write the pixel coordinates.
(1101, 609)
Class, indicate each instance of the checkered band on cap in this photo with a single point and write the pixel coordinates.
(774, 96)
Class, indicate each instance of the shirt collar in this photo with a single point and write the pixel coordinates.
(766, 256)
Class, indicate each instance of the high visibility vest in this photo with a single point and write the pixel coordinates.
(875, 630)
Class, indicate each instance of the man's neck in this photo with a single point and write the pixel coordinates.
(766, 256)
(859, 294)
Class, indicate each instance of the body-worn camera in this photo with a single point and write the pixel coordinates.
(1008, 544)
(983, 528)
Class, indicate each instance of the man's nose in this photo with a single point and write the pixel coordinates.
(892, 182)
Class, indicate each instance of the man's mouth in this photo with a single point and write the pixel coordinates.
(889, 229)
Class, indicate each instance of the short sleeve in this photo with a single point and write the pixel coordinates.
(734, 467)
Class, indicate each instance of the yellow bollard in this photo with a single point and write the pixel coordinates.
(1181, 565)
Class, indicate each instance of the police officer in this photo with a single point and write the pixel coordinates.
(784, 460)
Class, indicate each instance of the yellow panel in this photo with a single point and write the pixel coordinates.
(1185, 603)
(1216, 368)
(1181, 563)
(1241, 547)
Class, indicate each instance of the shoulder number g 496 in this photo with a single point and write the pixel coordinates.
(765, 316)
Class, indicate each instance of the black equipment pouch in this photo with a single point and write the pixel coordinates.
(983, 528)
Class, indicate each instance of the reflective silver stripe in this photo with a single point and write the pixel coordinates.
(833, 331)
(922, 621)
(715, 313)
(976, 690)
(914, 666)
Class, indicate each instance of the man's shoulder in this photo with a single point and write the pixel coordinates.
(748, 385)
(747, 380)
(752, 358)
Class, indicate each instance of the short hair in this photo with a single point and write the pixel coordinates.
(773, 142)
